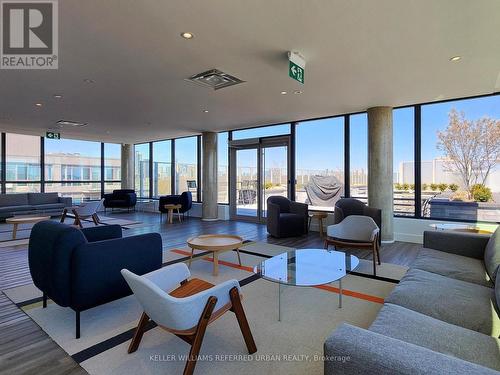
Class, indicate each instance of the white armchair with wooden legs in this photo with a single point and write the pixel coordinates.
(355, 232)
(85, 210)
(185, 307)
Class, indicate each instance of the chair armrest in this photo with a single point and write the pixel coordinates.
(466, 244)
(96, 266)
(353, 350)
(299, 208)
(132, 199)
(189, 309)
(273, 209)
(68, 201)
(169, 278)
(101, 233)
(108, 196)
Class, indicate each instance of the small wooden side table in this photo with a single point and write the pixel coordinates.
(215, 243)
(170, 213)
(320, 216)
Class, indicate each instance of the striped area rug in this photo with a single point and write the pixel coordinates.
(293, 345)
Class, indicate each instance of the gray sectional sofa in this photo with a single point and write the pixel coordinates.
(32, 203)
(442, 318)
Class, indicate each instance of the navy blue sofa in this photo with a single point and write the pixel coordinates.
(120, 198)
(80, 269)
(185, 200)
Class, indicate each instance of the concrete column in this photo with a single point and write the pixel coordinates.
(127, 164)
(209, 185)
(380, 175)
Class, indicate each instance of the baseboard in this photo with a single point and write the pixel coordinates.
(408, 237)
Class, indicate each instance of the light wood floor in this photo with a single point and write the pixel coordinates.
(26, 349)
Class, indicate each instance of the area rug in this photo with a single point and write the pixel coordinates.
(293, 345)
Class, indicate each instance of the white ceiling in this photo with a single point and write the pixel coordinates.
(359, 54)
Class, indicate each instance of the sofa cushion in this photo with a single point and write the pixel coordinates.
(13, 200)
(419, 329)
(451, 265)
(454, 301)
(7, 209)
(492, 254)
(49, 206)
(43, 198)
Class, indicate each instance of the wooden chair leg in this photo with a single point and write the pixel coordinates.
(198, 336)
(374, 259)
(378, 254)
(237, 308)
(139, 332)
(95, 219)
(326, 245)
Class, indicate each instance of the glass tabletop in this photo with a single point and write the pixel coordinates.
(307, 267)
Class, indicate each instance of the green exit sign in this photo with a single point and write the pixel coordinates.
(296, 66)
(296, 72)
(52, 135)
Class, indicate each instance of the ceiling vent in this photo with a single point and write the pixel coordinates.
(215, 79)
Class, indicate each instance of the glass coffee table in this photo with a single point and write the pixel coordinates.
(307, 267)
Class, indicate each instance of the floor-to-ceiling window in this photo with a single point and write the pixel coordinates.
(162, 168)
(319, 165)
(73, 168)
(460, 159)
(186, 166)
(112, 167)
(359, 156)
(223, 167)
(142, 169)
(22, 165)
(403, 161)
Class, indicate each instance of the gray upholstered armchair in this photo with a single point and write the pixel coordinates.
(286, 218)
(350, 206)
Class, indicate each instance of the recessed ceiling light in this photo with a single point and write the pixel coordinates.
(455, 58)
(187, 35)
(39, 104)
(88, 80)
(58, 96)
(205, 111)
(297, 92)
(283, 93)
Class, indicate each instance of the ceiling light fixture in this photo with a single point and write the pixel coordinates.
(58, 96)
(187, 35)
(297, 92)
(39, 104)
(283, 93)
(455, 58)
(205, 111)
(88, 80)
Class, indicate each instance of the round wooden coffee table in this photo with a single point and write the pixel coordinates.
(16, 220)
(215, 243)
